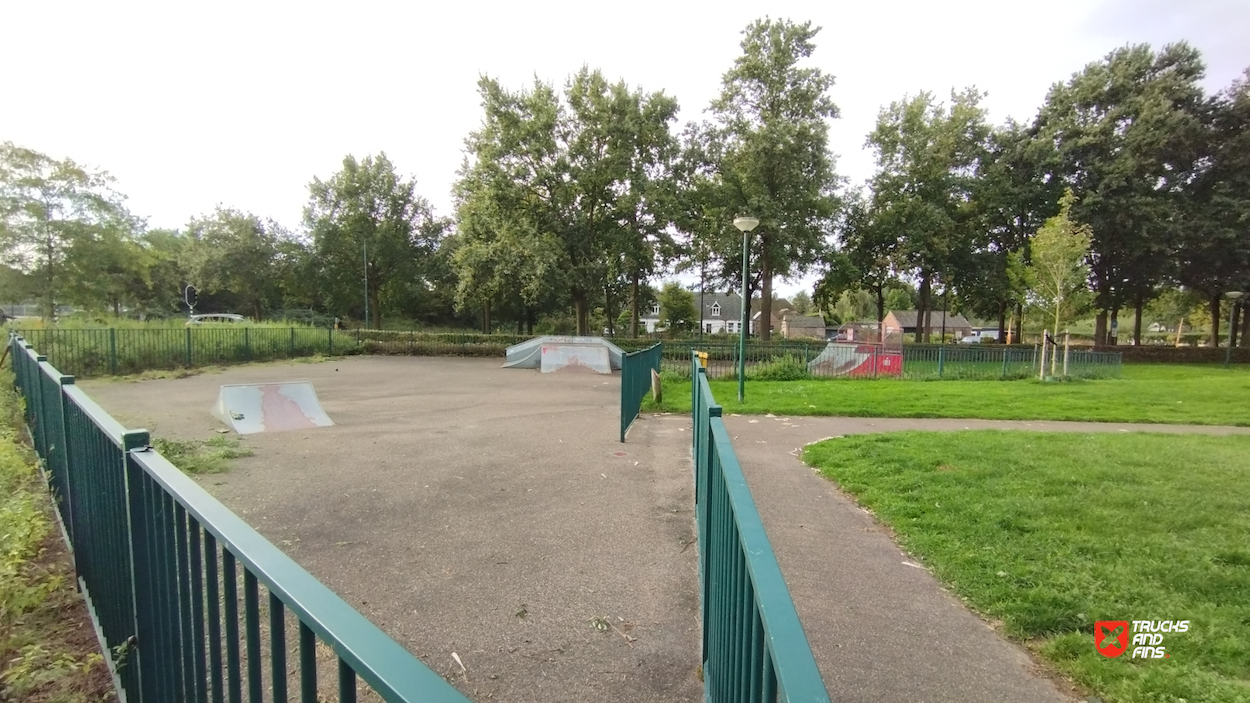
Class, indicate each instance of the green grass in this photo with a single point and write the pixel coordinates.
(211, 456)
(1048, 533)
(1162, 393)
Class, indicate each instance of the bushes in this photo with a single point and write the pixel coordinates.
(780, 368)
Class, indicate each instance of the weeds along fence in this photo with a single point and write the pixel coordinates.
(636, 368)
(98, 352)
(190, 603)
(791, 361)
(754, 647)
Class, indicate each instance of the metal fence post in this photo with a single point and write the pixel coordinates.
(188, 347)
(1006, 351)
(941, 359)
(113, 351)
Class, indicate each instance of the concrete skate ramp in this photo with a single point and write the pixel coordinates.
(575, 357)
(270, 407)
(850, 359)
(528, 355)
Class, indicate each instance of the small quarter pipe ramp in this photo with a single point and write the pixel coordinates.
(532, 354)
(270, 407)
(850, 359)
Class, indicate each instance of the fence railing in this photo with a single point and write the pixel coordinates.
(754, 647)
(636, 368)
(165, 566)
(795, 361)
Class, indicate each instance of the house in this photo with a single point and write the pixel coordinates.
(780, 305)
(796, 326)
(722, 313)
(956, 326)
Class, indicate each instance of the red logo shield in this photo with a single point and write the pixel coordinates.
(1111, 637)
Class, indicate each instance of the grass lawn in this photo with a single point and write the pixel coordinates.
(1048, 533)
(1164, 393)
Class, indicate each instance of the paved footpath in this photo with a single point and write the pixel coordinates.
(881, 627)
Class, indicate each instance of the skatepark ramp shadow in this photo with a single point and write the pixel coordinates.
(270, 407)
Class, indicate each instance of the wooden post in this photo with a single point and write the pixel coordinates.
(1067, 348)
(1041, 375)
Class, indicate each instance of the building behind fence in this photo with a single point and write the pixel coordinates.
(159, 560)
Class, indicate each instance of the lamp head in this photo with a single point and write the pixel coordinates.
(1233, 294)
(746, 223)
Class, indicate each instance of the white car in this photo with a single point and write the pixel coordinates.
(980, 337)
(215, 318)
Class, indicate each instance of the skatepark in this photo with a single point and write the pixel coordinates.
(467, 508)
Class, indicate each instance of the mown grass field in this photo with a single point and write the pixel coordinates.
(1162, 393)
(1048, 533)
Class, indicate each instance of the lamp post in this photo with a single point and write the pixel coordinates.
(745, 224)
(1235, 296)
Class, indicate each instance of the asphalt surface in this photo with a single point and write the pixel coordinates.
(477, 510)
(881, 627)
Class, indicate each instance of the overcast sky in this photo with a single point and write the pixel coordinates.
(242, 103)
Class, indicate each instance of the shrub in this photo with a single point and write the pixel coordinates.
(780, 368)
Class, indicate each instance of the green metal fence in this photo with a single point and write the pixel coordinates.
(754, 648)
(636, 368)
(797, 360)
(164, 567)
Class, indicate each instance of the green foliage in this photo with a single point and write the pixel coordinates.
(1032, 533)
(678, 312)
(780, 368)
(369, 226)
(766, 154)
(50, 209)
(1057, 275)
(210, 456)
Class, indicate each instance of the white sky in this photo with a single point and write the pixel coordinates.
(242, 103)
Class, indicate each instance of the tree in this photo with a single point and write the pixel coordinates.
(1058, 274)
(234, 252)
(766, 154)
(677, 308)
(1214, 252)
(564, 198)
(865, 259)
(1123, 131)
(370, 230)
(802, 302)
(922, 193)
(46, 206)
(106, 269)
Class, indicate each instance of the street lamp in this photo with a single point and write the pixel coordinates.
(745, 224)
(1235, 296)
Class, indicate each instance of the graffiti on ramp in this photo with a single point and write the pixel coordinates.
(270, 407)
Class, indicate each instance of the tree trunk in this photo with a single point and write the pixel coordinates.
(1100, 328)
(880, 306)
(375, 310)
(608, 311)
(520, 324)
(1019, 324)
(766, 296)
(529, 320)
(633, 305)
(579, 310)
(922, 309)
(1235, 331)
(258, 310)
(1213, 306)
(1139, 304)
(1002, 322)
(486, 318)
(1113, 332)
(1245, 325)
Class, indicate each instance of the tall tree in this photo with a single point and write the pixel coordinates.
(565, 196)
(370, 229)
(1122, 132)
(928, 155)
(1214, 252)
(234, 253)
(46, 206)
(678, 312)
(766, 154)
(865, 258)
